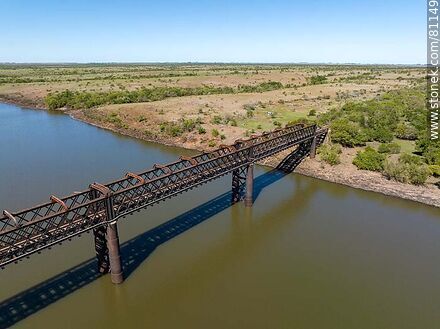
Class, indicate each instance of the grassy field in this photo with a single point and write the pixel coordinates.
(187, 102)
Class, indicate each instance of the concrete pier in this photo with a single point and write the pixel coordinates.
(114, 254)
(249, 198)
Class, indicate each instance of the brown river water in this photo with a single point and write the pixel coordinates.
(309, 254)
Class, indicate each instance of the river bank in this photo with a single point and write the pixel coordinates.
(344, 173)
(23, 102)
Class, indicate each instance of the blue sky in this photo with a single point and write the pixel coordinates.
(339, 31)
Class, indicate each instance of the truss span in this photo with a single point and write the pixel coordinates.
(28, 231)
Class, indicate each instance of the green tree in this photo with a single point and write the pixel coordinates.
(369, 159)
(346, 133)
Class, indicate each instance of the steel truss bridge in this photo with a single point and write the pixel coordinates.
(99, 208)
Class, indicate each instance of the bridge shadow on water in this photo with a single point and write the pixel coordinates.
(133, 252)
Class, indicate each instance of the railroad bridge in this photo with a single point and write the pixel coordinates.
(99, 208)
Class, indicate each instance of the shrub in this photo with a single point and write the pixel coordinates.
(318, 79)
(411, 159)
(142, 118)
(380, 134)
(249, 113)
(408, 169)
(250, 108)
(435, 170)
(312, 113)
(418, 174)
(114, 118)
(188, 124)
(369, 159)
(57, 100)
(171, 128)
(215, 133)
(406, 131)
(346, 133)
(202, 130)
(432, 155)
(305, 121)
(429, 149)
(395, 171)
(216, 120)
(392, 148)
(330, 153)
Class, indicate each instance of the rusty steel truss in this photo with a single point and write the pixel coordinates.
(101, 205)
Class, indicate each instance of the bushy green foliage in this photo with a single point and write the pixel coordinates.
(330, 153)
(175, 129)
(398, 113)
(429, 149)
(392, 148)
(115, 119)
(58, 100)
(312, 113)
(172, 129)
(435, 170)
(405, 130)
(379, 134)
(215, 133)
(411, 159)
(84, 100)
(262, 87)
(346, 133)
(369, 159)
(408, 169)
(317, 79)
(216, 119)
(188, 124)
(305, 121)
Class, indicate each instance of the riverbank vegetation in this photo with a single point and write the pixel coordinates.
(385, 121)
(375, 113)
(84, 99)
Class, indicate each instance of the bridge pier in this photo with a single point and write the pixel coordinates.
(249, 198)
(101, 249)
(111, 252)
(114, 253)
(313, 148)
(243, 185)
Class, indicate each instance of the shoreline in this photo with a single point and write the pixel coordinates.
(29, 104)
(363, 180)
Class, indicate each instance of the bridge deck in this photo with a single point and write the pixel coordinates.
(31, 230)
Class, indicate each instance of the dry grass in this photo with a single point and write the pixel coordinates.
(226, 113)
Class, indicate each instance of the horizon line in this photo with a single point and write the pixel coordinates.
(214, 62)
